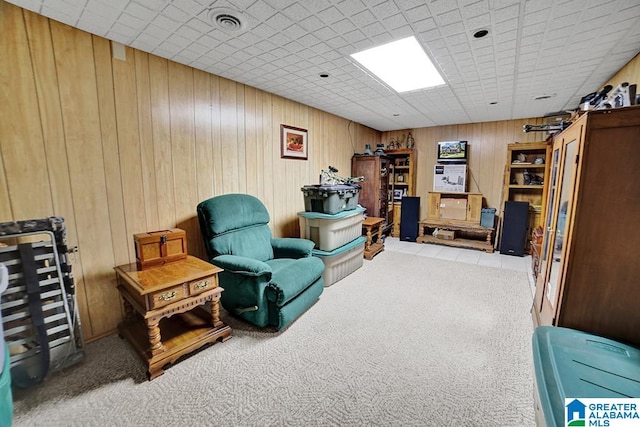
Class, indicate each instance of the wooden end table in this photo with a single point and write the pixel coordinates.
(164, 315)
(372, 226)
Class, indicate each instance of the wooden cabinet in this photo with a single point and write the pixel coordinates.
(374, 194)
(526, 179)
(402, 181)
(589, 268)
(465, 207)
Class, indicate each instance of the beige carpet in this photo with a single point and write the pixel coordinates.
(403, 341)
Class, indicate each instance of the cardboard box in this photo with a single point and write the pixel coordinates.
(156, 248)
(450, 178)
(451, 208)
(446, 234)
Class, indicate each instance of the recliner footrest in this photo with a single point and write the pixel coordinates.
(291, 277)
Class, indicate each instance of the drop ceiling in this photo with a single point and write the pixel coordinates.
(562, 49)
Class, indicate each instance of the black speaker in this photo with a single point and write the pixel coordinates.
(514, 228)
(409, 217)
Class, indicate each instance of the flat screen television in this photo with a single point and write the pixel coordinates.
(452, 152)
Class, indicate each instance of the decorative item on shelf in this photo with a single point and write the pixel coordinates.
(367, 149)
(400, 142)
(404, 193)
(539, 161)
(392, 144)
(331, 177)
(379, 149)
(400, 178)
(410, 141)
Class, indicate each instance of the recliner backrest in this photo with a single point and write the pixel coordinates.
(236, 224)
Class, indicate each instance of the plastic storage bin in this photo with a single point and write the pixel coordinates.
(488, 217)
(330, 199)
(329, 232)
(341, 262)
(570, 363)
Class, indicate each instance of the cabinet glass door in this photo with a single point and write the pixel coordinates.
(563, 212)
(548, 235)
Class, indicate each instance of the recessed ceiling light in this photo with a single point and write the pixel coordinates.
(480, 33)
(401, 64)
(227, 19)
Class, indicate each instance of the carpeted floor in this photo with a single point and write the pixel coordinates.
(403, 341)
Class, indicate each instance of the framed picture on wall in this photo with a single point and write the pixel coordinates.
(294, 142)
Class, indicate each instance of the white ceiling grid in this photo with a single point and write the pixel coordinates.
(563, 48)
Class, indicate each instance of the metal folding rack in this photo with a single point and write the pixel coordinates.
(44, 240)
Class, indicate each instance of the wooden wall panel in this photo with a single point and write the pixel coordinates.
(79, 103)
(145, 132)
(630, 73)
(122, 251)
(21, 139)
(487, 153)
(129, 146)
(182, 111)
(129, 143)
(162, 147)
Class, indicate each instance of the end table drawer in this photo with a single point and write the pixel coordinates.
(204, 284)
(167, 296)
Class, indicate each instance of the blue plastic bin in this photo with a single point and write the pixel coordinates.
(570, 363)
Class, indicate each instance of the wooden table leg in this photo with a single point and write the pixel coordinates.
(380, 233)
(155, 340)
(367, 244)
(215, 312)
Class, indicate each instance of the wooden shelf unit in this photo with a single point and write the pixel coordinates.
(516, 187)
(374, 192)
(402, 177)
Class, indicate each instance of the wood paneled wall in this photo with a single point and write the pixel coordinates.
(121, 147)
(630, 73)
(487, 154)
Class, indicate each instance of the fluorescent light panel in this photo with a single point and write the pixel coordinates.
(402, 64)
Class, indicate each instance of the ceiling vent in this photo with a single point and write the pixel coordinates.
(227, 19)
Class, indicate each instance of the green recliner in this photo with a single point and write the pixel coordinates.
(266, 280)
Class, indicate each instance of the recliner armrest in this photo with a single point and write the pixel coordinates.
(291, 247)
(242, 265)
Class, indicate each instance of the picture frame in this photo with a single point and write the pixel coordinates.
(294, 143)
(397, 195)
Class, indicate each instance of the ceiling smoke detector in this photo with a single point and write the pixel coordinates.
(227, 19)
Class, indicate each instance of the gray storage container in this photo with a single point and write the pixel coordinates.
(330, 199)
(488, 217)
